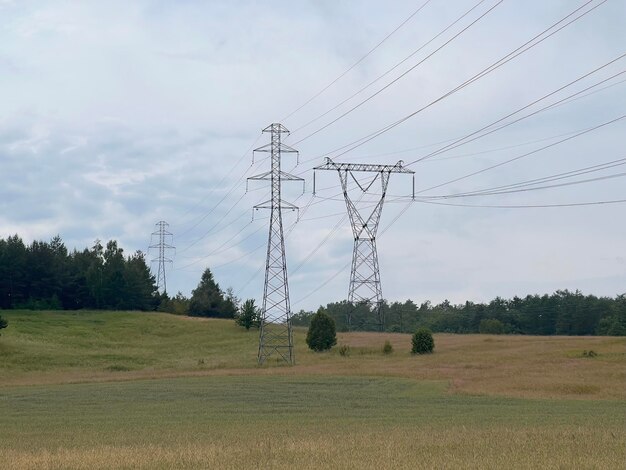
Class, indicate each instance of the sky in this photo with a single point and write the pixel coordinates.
(117, 115)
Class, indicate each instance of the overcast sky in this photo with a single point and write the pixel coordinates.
(115, 115)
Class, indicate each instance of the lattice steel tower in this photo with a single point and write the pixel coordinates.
(163, 248)
(365, 287)
(275, 335)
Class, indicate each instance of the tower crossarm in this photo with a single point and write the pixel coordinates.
(332, 165)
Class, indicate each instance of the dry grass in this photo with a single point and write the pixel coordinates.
(454, 448)
(98, 347)
(300, 422)
(518, 366)
(71, 396)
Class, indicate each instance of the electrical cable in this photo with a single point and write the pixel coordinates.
(401, 76)
(502, 61)
(358, 61)
(524, 155)
(391, 69)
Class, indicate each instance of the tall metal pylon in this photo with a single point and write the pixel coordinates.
(163, 248)
(275, 336)
(365, 287)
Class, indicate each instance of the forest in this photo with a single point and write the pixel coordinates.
(561, 313)
(47, 276)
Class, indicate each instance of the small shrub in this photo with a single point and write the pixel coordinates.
(344, 350)
(3, 323)
(423, 342)
(249, 316)
(200, 362)
(590, 353)
(387, 348)
(322, 334)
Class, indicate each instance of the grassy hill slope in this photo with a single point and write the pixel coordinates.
(60, 347)
(74, 394)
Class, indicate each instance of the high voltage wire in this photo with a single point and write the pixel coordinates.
(220, 183)
(494, 66)
(523, 206)
(399, 77)
(460, 141)
(202, 237)
(391, 69)
(466, 139)
(219, 249)
(358, 61)
(598, 167)
(522, 144)
(559, 185)
(491, 167)
(545, 179)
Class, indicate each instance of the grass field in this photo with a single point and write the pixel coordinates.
(133, 390)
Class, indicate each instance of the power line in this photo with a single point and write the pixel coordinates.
(391, 69)
(545, 179)
(523, 206)
(217, 186)
(466, 139)
(491, 167)
(358, 61)
(502, 61)
(575, 97)
(401, 76)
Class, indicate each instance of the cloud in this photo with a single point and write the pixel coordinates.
(117, 115)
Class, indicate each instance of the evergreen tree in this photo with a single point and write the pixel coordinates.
(423, 342)
(322, 333)
(207, 300)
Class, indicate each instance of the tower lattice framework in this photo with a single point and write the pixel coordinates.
(275, 336)
(365, 286)
(163, 248)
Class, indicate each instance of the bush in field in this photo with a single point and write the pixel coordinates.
(249, 315)
(423, 342)
(3, 323)
(322, 334)
(491, 326)
(387, 348)
(344, 350)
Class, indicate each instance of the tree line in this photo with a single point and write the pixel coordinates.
(47, 276)
(561, 313)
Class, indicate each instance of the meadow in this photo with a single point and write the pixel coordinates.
(140, 390)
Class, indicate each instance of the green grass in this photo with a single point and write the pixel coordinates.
(74, 394)
(249, 415)
(119, 341)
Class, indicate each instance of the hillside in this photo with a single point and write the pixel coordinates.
(114, 390)
(84, 346)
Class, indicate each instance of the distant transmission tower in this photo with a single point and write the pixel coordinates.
(163, 247)
(365, 287)
(276, 335)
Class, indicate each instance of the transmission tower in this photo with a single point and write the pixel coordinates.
(163, 248)
(365, 287)
(275, 333)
